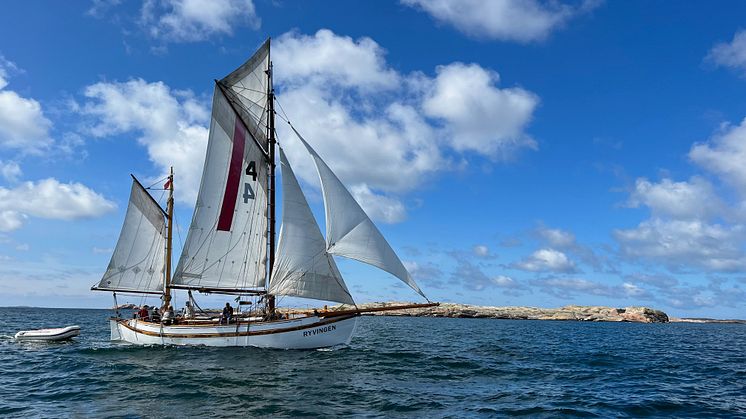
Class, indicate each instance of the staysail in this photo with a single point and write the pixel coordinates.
(138, 259)
(227, 241)
(349, 230)
(303, 267)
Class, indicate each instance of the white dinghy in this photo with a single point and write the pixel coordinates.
(55, 334)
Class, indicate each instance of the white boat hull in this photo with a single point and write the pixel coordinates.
(303, 333)
(62, 333)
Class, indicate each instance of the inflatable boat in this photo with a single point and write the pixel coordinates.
(61, 333)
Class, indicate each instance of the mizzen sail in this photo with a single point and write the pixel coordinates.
(137, 261)
(303, 267)
(349, 230)
(227, 241)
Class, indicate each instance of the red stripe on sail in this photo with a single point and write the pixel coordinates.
(234, 177)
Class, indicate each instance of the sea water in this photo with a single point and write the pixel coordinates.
(394, 367)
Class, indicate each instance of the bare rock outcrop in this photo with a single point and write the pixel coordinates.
(571, 312)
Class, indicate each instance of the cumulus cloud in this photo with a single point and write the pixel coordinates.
(171, 124)
(694, 199)
(23, 126)
(730, 54)
(329, 58)
(481, 250)
(478, 115)
(724, 155)
(49, 199)
(384, 129)
(546, 260)
(196, 20)
(10, 170)
(681, 244)
(510, 20)
(556, 237)
(379, 207)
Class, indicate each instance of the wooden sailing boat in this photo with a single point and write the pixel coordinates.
(230, 247)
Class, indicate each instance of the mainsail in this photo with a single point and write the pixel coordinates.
(227, 241)
(137, 262)
(303, 267)
(349, 230)
(247, 87)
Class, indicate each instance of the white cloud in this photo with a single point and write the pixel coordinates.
(511, 20)
(329, 58)
(725, 155)
(731, 54)
(370, 123)
(23, 125)
(685, 243)
(681, 200)
(481, 250)
(50, 199)
(171, 125)
(546, 260)
(556, 237)
(480, 116)
(378, 207)
(11, 220)
(10, 170)
(503, 281)
(196, 20)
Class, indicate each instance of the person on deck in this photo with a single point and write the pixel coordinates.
(188, 310)
(227, 314)
(168, 315)
(143, 313)
(155, 315)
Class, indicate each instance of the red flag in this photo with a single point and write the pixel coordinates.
(167, 185)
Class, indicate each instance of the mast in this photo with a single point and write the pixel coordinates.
(169, 227)
(272, 143)
(272, 188)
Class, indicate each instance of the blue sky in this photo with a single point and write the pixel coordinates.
(513, 152)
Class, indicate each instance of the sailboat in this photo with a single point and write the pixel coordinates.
(231, 245)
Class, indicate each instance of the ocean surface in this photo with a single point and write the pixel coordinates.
(394, 367)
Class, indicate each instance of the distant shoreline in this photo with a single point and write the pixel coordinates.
(634, 314)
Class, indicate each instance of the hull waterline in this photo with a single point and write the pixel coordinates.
(303, 333)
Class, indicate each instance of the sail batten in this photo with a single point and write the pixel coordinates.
(136, 263)
(303, 267)
(349, 231)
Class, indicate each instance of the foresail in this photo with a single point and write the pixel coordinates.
(138, 259)
(247, 87)
(227, 241)
(349, 230)
(303, 268)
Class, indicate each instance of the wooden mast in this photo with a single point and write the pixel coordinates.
(170, 226)
(272, 187)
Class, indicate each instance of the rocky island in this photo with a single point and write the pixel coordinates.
(571, 312)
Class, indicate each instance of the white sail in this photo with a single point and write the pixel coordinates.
(349, 230)
(227, 241)
(303, 268)
(138, 259)
(247, 87)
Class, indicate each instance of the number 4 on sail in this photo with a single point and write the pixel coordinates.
(230, 247)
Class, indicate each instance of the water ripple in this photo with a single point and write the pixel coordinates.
(410, 367)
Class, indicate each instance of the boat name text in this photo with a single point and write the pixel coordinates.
(320, 330)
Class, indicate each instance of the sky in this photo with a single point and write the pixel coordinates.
(513, 152)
